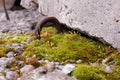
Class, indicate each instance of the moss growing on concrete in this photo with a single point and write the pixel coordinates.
(19, 38)
(86, 72)
(8, 39)
(4, 51)
(66, 47)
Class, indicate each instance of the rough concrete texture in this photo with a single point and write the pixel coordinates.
(20, 21)
(96, 18)
(29, 4)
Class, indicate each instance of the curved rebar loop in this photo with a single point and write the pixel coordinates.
(45, 20)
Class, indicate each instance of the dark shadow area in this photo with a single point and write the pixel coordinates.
(17, 2)
(17, 5)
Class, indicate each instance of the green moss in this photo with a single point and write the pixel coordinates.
(5, 42)
(2, 53)
(113, 57)
(13, 39)
(115, 75)
(85, 72)
(66, 47)
(116, 57)
(4, 50)
(19, 39)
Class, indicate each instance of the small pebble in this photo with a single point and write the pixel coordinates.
(78, 61)
(26, 69)
(110, 69)
(12, 75)
(49, 66)
(6, 30)
(68, 68)
(10, 54)
(94, 64)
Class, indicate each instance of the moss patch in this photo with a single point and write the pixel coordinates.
(66, 47)
(4, 50)
(7, 39)
(86, 72)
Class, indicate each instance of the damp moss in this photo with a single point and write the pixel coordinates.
(10, 39)
(7, 39)
(86, 72)
(5, 42)
(66, 47)
(19, 38)
(4, 51)
(114, 57)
